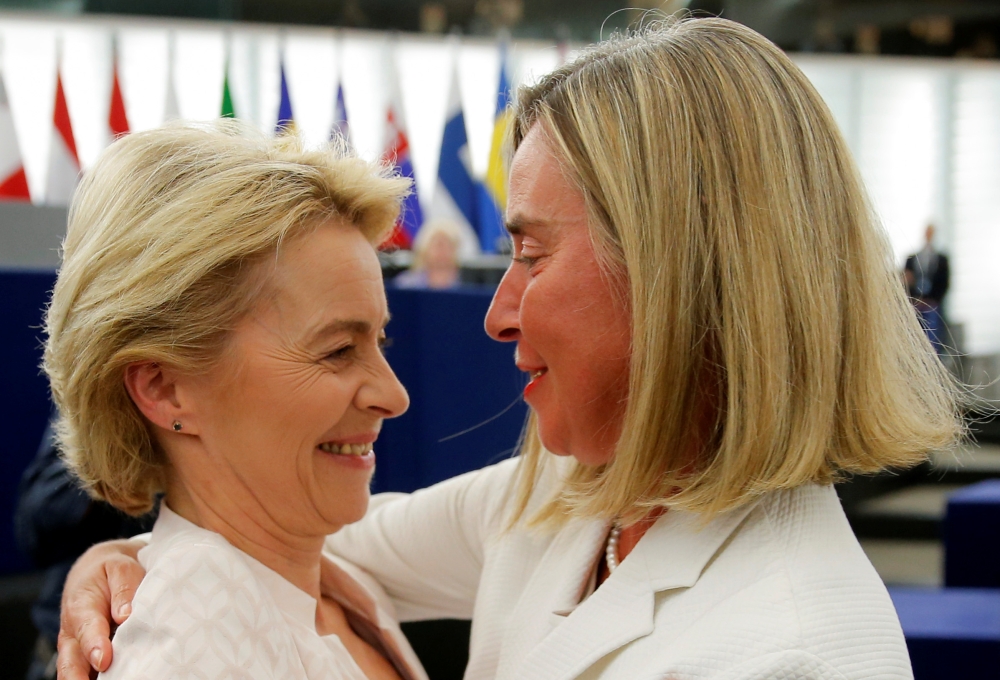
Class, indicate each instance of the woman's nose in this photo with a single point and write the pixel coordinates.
(383, 394)
(503, 318)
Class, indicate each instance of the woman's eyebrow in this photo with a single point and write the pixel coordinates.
(517, 225)
(352, 326)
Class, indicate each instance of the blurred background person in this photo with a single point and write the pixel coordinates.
(435, 257)
(928, 275)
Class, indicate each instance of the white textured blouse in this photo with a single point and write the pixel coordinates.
(208, 610)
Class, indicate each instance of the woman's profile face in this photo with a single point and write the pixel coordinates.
(573, 335)
(304, 374)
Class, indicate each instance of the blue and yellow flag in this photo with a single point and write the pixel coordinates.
(493, 199)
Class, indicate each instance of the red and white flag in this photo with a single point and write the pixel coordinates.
(117, 119)
(13, 181)
(64, 164)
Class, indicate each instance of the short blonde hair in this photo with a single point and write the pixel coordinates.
(772, 342)
(428, 231)
(159, 265)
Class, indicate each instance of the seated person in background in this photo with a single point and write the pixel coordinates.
(435, 257)
(215, 335)
(54, 523)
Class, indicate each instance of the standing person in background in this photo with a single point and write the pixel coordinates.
(713, 333)
(928, 276)
(435, 257)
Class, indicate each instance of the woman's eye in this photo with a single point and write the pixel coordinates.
(525, 260)
(384, 343)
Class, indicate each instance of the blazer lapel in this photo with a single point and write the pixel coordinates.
(672, 554)
(556, 585)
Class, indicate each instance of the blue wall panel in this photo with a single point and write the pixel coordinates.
(24, 393)
(465, 393)
(972, 536)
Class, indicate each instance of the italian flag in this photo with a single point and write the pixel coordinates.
(13, 181)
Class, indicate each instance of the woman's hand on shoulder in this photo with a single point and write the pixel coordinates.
(98, 592)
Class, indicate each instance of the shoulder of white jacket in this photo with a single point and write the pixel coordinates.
(793, 514)
(795, 663)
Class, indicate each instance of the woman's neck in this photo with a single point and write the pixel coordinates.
(629, 538)
(239, 519)
(632, 534)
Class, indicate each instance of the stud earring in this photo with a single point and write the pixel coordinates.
(177, 426)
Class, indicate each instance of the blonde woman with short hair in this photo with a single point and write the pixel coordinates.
(713, 332)
(214, 335)
(435, 257)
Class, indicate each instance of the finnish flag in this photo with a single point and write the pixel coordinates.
(456, 194)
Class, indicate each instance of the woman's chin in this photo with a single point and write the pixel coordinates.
(351, 510)
(587, 455)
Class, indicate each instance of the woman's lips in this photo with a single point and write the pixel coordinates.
(536, 376)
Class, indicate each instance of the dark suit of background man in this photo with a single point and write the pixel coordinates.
(927, 278)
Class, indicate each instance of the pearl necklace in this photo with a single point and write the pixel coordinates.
(611, 549)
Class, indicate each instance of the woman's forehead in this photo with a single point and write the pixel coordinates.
(540, 191)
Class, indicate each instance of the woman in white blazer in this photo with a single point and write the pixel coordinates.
(713, 331)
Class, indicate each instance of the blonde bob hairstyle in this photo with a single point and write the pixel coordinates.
(772, 342)
(163, 256)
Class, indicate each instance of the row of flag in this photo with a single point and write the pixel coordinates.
(477, 206)
(64, 163)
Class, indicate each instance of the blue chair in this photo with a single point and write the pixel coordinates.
(951, 633)
(972, 537)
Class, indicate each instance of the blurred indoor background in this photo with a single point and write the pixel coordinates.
(914, 86)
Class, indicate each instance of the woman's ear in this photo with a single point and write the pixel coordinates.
(154, 391)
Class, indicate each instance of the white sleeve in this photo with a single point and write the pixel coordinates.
(201, 613)
(427, 548)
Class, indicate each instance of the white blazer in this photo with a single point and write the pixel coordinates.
(777, 589)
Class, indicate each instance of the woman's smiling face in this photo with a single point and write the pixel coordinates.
(303, 375)
(572, 332)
